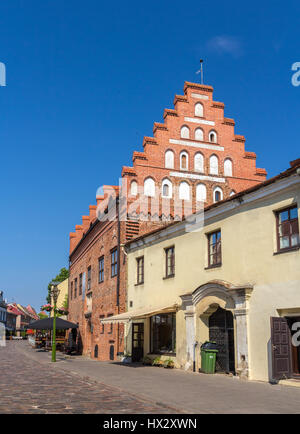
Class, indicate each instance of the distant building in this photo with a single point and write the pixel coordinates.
(20, 317)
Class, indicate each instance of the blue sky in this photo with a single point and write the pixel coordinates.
(85, 82)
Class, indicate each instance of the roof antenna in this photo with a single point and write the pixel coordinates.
(201, 70)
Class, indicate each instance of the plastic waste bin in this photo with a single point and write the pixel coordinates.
(208, 357)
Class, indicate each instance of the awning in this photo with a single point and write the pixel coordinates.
(47, 324)
(139, 313)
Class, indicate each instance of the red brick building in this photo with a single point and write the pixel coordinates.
(194, 157)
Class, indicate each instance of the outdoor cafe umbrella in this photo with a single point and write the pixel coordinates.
(47, 324)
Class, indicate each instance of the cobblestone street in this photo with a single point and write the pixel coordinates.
(28, 386)
(31, 383)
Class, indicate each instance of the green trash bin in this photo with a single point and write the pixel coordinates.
(208, 357)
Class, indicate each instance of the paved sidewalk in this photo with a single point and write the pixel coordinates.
(184, 391)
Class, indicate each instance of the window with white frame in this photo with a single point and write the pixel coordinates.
(232, 193)
(199, 134)
(227, 167)
(213, 137)
(184, 161)
(185, 132)
(166, 188)
(199, 109)
(199, 162)
(169, 159)
(218, 194)
(184, 191)
(201, 193)
(149, 187)
(213, 165)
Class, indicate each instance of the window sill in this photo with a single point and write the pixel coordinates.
(289, 249)
(213, 266)
(169, 277)
(139, 284)
(158, 353)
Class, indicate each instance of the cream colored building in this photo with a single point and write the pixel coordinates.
(249, 285)
(63, 294)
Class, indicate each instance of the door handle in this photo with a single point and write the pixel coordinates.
(274, 347)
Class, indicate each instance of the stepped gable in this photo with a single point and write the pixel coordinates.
(188, 128)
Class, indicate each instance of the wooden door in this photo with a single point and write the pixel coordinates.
(137, 342)
(280, 348)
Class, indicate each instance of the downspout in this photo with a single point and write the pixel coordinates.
(194, 355)
(118, 270)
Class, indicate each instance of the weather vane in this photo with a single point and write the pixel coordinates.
(200, 71)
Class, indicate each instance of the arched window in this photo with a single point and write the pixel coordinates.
(184, 191)
(169, 159)
(201, 193)
(184, 161)
(227, 167)
(133, 188)
(213, 165)
(166, 188)
(198, 134)
(199, 109)
(218, 194)
(185, 132)
(212, 136)
(149, 187)
(199, 162)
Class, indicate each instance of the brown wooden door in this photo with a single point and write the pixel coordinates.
(281, 348)
(137, 342)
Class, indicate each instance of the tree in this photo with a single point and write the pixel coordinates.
(42, 315)
(63, 275)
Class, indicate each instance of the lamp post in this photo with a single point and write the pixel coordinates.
(54, 295)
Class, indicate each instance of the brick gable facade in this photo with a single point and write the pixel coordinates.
(94, 239)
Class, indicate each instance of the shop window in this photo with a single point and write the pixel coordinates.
(163, 333)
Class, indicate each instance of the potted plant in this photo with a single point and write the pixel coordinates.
(169, 364)
(47, 307)
(157, 361)
(62, 311)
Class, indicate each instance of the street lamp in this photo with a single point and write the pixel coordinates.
(54, 295)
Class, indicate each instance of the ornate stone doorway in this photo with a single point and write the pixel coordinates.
(218, 311)
(221, 331)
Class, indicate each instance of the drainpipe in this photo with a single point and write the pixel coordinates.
(194, 355)
(118, 271)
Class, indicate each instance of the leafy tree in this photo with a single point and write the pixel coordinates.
(42, 315)
(63, 275)
(66, 302)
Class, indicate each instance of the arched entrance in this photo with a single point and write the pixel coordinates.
(221, 331)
